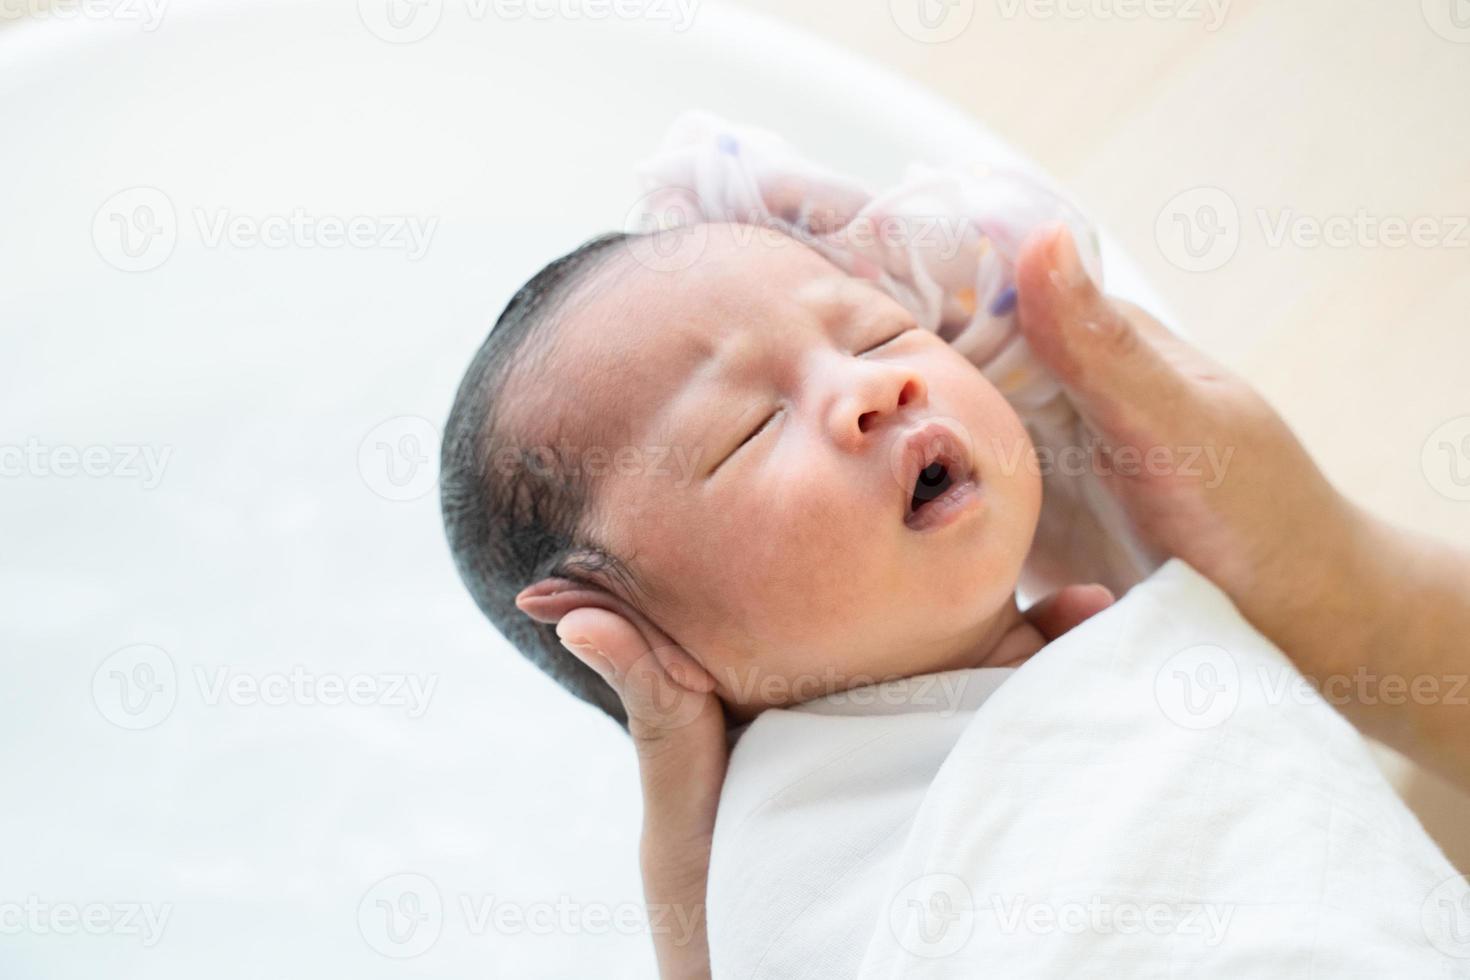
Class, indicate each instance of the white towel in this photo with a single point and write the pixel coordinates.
(1156, 794)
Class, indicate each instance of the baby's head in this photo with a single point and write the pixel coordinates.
(740, 442)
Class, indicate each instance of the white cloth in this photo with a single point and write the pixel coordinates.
(943, 241)
(1158, 793)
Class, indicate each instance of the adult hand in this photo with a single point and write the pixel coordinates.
(1336, 589)
(679, 731)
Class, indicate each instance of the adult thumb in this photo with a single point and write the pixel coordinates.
(1117, 363)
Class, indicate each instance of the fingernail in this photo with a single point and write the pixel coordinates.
(1068, 273)
(584, 651)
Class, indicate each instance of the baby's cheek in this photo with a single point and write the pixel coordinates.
(797, 553)
(1007, 458)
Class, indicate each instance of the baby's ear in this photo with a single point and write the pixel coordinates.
(550, 599)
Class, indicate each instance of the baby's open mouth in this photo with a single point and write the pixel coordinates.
(933, 480)
(943, 480)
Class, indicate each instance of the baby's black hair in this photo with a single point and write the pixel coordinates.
(511, 518)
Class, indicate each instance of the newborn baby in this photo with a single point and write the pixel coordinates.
(719, 432)
(761, 454)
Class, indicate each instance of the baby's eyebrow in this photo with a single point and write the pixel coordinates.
(835, 292)
(847, 295)
(837, 303)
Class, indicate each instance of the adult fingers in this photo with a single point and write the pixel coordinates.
(662, 688)
(1117, 363)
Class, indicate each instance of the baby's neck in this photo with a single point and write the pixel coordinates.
(1008, 640)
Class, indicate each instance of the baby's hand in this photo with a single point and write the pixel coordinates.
(1064, 610)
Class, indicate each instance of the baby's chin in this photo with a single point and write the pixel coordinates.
(991, 641)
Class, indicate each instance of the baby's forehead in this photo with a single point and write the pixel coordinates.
(649, 325)
(710, 273)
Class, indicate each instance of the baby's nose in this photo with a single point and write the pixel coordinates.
(879, 394)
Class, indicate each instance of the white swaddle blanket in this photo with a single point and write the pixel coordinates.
(943, 242)
(1158, 793)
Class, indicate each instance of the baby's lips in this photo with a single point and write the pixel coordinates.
(938, 436)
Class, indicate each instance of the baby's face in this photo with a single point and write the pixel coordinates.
(773, 417)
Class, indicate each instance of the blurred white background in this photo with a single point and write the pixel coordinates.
(247, 249)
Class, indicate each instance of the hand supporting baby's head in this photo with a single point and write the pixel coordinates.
(741, 444)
